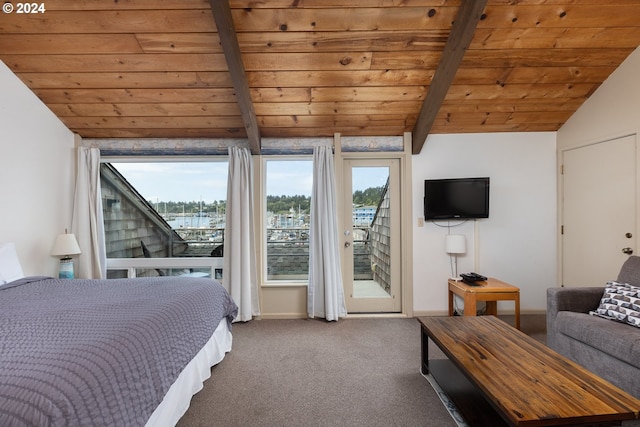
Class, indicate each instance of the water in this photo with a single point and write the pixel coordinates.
(194, 222)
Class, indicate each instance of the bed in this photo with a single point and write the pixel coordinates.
(118, 352)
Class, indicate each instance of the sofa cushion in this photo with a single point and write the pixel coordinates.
(630, 271)
(616, 339)
(621, 302)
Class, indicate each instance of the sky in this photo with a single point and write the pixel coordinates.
(207, 181)
(177, 182)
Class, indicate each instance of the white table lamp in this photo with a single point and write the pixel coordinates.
(456, 244)
(66, 246)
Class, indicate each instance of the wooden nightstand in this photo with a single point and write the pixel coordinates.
(492, 290)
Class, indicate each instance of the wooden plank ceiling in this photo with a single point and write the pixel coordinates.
(307, 68)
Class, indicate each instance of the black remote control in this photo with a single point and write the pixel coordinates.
(472, 278)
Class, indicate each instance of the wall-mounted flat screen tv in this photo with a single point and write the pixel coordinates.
(458, 198)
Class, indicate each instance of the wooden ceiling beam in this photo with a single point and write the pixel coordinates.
(231, 48)
(462, 32)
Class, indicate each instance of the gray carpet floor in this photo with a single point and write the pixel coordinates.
(354, 372)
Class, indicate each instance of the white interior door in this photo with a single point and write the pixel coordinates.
(599, 211)
(371, 239)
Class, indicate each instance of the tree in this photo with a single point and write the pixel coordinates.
(282, 204)
(369, 197)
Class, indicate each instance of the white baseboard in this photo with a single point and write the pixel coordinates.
(277, 316)
(434, 313)
(416, 313)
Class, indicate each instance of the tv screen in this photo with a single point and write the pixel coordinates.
(459, 198)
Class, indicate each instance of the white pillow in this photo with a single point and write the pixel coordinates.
(10, 268)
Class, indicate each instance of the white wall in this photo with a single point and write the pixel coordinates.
(517, 243)
(611, 112)
(36, 175)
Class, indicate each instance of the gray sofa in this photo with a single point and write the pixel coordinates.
(607, 348)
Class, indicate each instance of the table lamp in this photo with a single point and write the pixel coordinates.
(65, 246)
(456, 244)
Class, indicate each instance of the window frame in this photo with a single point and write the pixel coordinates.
(132, 264)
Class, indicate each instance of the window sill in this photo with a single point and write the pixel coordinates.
(284, 284)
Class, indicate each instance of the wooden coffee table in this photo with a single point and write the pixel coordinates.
(497, 375)
(491, 290)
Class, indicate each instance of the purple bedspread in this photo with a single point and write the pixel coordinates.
(100, 352)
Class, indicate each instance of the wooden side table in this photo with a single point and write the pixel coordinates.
(491, 291)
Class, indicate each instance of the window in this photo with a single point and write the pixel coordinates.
(288, 185)
(166, 209)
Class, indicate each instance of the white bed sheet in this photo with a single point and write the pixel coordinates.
(191, 379)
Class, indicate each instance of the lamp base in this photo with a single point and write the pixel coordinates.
(66, 268)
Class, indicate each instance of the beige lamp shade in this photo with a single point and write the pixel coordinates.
(65, 245)
(456, 244)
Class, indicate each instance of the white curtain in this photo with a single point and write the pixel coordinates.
(325, 291)
(87, 222)
(239, 274)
